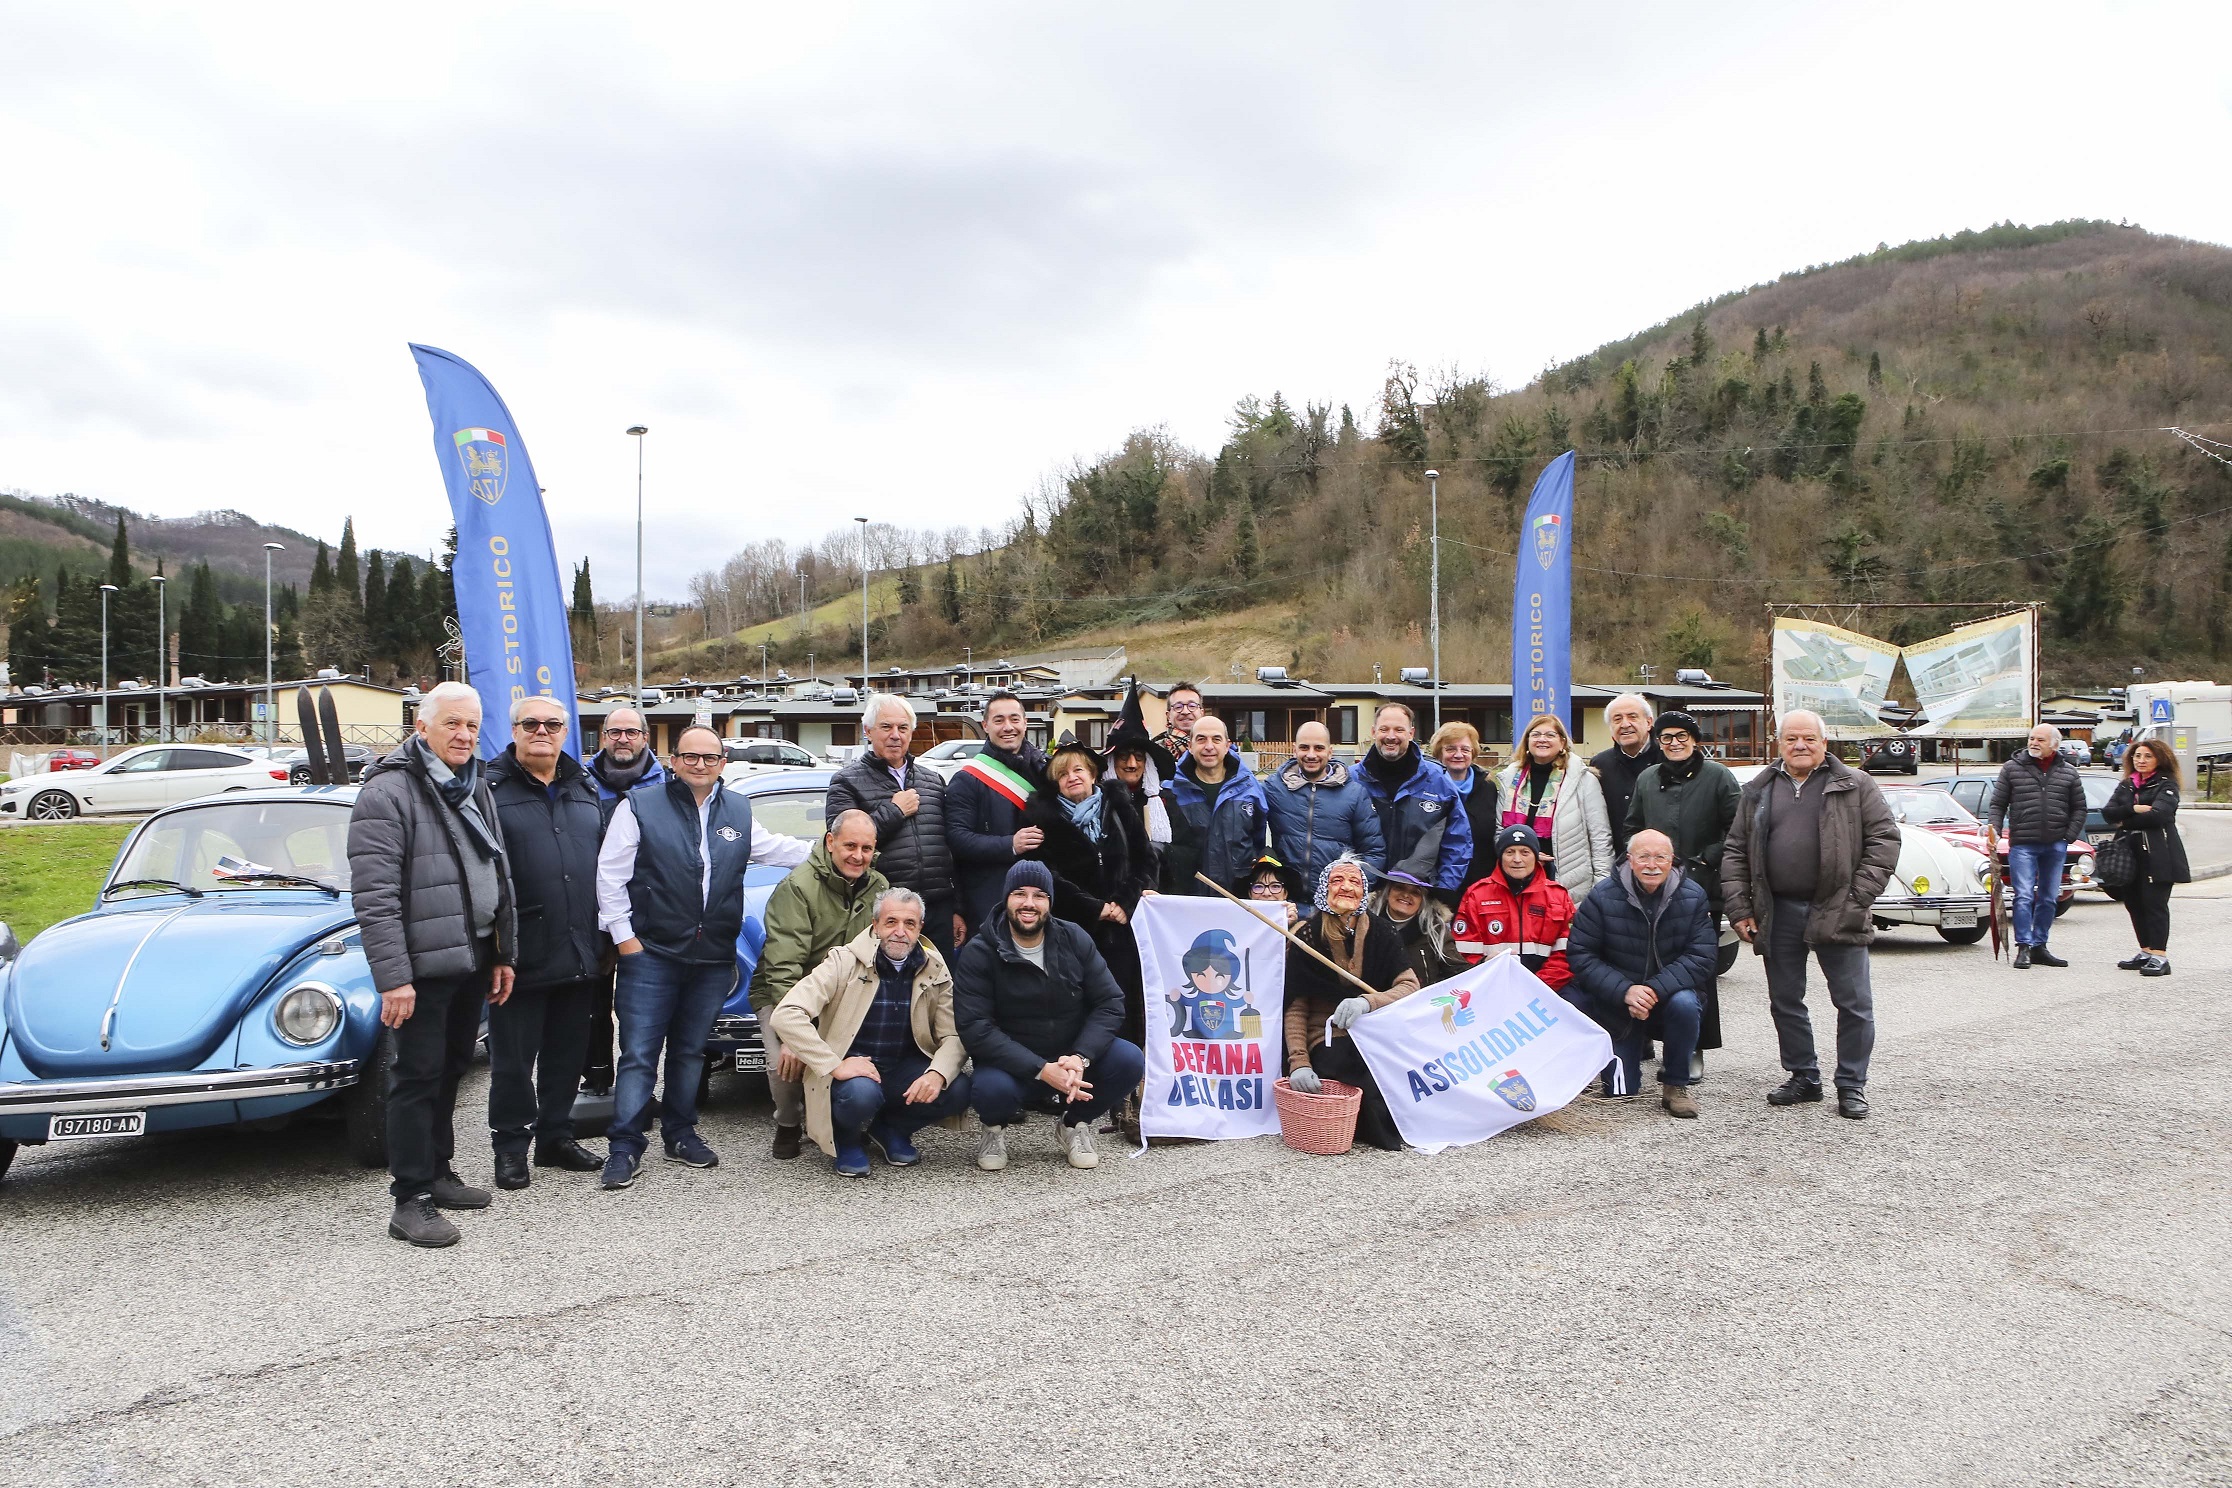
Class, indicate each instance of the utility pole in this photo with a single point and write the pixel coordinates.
(863, 521)
(162, 658)
(106, 591)
(271, 707)
(638, 431)
(1433, 497)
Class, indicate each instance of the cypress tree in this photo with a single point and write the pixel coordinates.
(321, 573)
(375, 603)
(345, 567)
(397, 637)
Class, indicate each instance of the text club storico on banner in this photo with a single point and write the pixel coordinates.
(1478, 1054)
(1542, 602)
(511, 604)
(1215, 978)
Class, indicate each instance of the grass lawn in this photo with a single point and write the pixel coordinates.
(51, 873)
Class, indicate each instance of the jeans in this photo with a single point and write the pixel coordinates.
(537, 1038)
(1676, 1020)
(2036, 868)
(789, 1095)
(596, 1065)
(661, 1002)
(1845, 968)
(1000, 1098)
(857, 1103)
(433, 1049)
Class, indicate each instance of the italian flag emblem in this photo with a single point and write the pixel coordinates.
(1002, 781)
(478, 436)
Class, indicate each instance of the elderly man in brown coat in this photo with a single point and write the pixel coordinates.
(1813, 844)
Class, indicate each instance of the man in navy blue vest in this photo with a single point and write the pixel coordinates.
(670, 893)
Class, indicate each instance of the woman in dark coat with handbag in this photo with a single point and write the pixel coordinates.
(1097, 847)
(2144, 809)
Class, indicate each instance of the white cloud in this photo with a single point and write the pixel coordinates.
(901, 261)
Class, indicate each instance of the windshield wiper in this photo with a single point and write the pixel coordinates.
(151, 883)
(273, 875)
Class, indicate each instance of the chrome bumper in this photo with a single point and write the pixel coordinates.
(1912, 903)
(139, 1092)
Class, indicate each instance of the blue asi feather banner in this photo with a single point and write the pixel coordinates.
(1542, 603)
(511, 603)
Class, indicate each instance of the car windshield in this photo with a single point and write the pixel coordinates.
(955, 749)
(2098, 788)
(1928, 808)
(228, 843)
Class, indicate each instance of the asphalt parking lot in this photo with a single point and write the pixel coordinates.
(2011, 1275)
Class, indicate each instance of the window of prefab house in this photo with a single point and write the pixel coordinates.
(1344, 726)
(843, 734)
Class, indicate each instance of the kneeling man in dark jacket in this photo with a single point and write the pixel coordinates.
(1038, 1012)
(1642, 945)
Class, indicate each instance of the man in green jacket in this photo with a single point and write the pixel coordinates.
(821, 905)
(1693, 800)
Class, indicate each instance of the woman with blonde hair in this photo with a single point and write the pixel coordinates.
(1547, 789)
(2145, 808)
(1456, 748)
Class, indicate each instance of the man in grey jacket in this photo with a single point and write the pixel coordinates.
(906, 800)
(1813, 844)
(433, 900)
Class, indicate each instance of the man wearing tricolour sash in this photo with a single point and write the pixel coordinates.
(984, 809)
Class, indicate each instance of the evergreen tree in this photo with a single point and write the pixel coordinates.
(1759, 342)
(321, 572)
(910, 589)
(286, 617)
(584, 607)
(1701, 343)
(345, 567)
(120, 558)
(949, 594)
(201, 630)
(375, 606)
(2089, 600)
(75, 642)
(1817, 390)
(27, 633)
(398, 638)
(1247, 552)
(1875, 369)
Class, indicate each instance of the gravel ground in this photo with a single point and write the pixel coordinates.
(2011, 1275)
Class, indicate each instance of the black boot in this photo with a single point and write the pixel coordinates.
(570, 1155)
(2040, 956)
(418, 1221)
(2022, 958)
(511, 1170)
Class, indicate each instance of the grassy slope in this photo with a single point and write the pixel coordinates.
(50, 873)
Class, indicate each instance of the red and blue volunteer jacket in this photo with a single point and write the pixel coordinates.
(1536, 919)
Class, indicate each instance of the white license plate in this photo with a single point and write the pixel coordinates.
(107, 1124)
(751, 1061)
(1957, 919)
(2097, 838)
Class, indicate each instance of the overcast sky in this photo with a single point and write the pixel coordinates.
(901, 261)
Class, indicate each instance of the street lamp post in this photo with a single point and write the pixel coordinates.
(763, 669)
(106, 591)
(639, 430)
(271, 705)
(1433, 612)
(863, 521)
(162, 659)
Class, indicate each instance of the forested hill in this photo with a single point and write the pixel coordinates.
(41, 534)
(1969, 418)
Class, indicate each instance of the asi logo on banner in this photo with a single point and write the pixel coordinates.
(1216, 1002)
(1478, 1054)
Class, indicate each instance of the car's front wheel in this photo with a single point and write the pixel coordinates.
(366, 1103)
(52, 806)
(1970, 936)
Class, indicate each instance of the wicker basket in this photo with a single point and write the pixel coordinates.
(1324, 1124)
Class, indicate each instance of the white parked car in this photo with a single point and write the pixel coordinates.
(1938, 883)
(749, 757)
(144, 779)
(948, 758)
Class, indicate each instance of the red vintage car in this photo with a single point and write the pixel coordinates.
(72, 759)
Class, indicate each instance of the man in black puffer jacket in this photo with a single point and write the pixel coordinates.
(906, 800)
(1642, 945)
(539, 1035)
(2038, 805)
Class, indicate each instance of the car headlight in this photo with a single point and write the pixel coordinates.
(308, 1014)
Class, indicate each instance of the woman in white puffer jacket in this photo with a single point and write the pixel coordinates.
(1555, 792)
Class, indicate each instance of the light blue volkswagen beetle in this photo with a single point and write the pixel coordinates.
(219, 979)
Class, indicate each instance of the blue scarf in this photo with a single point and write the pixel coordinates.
(1085, 815)
(456, 788)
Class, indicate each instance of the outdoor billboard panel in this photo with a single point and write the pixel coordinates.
(1976, 682)
(1840, 674)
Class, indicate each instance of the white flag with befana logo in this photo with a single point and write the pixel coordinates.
(1215, 978)
(1478, 1054)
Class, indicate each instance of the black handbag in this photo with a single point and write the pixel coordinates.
(2116, 863)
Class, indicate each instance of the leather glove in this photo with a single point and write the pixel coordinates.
(1351, 1009)
(1306, 1080)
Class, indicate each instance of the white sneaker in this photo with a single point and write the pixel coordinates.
(992, 1155)
(1077, 1143)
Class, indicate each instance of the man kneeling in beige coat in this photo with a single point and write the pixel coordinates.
(873, 1024)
